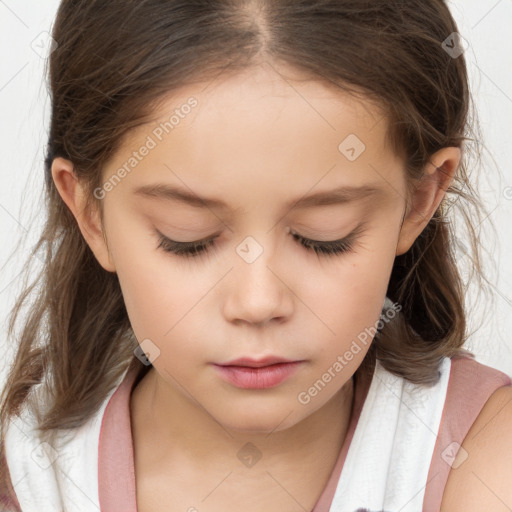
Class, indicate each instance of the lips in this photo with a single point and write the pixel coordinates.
(257, 373)
(256, 363)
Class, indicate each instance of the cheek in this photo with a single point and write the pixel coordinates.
(348, 294)
(165, 308)
(161, 303)
(161, 299)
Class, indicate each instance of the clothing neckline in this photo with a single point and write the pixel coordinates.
(116, 466)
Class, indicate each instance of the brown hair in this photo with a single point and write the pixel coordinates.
(116, 60)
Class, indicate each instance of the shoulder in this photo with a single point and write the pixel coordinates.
(481, 474)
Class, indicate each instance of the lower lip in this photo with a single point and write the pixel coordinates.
(257, 378)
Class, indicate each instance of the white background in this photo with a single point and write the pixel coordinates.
(24, 104)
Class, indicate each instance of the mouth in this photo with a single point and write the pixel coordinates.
(257, 363)
(260, 374)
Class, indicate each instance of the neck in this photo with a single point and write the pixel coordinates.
(168, 426)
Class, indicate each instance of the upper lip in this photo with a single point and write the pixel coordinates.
(256, 363)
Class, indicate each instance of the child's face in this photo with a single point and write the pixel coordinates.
(258, 144)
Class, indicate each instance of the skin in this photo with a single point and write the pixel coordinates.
(257, 142)
(482, 481)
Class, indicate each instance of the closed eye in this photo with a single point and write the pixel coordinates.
(320, 248)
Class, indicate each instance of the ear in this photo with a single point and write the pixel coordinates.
(73, 194)
(426, 198)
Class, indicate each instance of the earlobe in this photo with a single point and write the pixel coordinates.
(73, 194)
(427, 195)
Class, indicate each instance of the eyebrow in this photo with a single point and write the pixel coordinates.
(339, 195)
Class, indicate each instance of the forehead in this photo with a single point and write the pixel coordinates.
(264, 99)
(273, 97)
(264, 128)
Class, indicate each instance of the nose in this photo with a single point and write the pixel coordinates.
(258, 289)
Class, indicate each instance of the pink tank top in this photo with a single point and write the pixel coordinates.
(470, 385)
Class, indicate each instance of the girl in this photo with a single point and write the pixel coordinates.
(251, 298)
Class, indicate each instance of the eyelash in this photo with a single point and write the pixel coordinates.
(200, 247)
